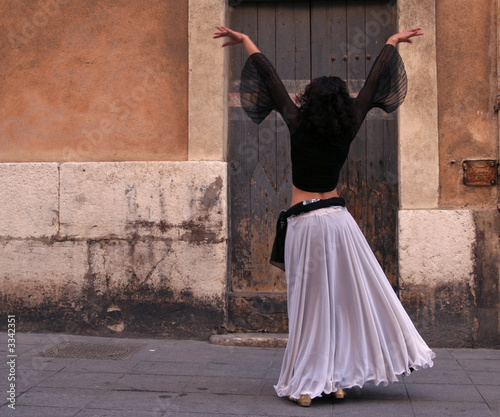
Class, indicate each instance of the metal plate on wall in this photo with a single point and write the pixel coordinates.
(480, 172)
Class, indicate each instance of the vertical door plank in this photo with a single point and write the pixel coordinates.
(246, 159)
(267, 129)
(374, 127)
(285, 66)
(320, 39)
(381, 150)
(239, 208)
(387, 18)
(356, 166)
(328, 39)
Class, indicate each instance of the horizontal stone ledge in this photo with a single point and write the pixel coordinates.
(270, 340)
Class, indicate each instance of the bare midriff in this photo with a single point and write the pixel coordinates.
(301, 195)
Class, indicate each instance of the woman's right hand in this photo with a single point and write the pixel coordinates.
(405, 36)
(235, 38)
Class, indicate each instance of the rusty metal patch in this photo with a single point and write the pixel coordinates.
(480, 172)
(84, 350)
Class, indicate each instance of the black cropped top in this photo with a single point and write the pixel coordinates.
(316, 164)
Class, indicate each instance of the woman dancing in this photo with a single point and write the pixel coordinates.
(346, 325)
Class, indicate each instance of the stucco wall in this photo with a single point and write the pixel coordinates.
(448, 232)
(87, 80)
(99, 246)
(468, 85)
(207, 82)
(418, 155)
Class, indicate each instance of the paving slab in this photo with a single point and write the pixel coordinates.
(151, 383)
(381, 408)
(213, 403)
(99, 412)
(38, 411)
(451, 409)
(90, 380)
(185, 378)
(158, 401)
(444, 392)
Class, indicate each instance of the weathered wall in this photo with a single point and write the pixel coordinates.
(113, 247)
(448, 232)
(418, 156)
(87, 80)
(437, 274)
(125, 247)
(467, 78)
(207, 82)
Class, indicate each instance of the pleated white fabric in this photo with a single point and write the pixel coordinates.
(346, 324)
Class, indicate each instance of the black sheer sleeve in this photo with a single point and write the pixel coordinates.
(261, 91)
(385, 86)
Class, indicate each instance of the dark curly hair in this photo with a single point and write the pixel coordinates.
(327, 109)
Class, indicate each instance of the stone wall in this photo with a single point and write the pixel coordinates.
(448, 232)
(114, 247)
(89, 245)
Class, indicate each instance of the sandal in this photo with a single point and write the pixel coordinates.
(303, 400)
(340, 394)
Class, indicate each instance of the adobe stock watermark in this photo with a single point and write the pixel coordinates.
(11, 361)
(31, 26)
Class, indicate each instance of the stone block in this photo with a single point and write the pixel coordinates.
(436, 263)
(36, 274)
(176, 268)
(436, 247)
(175, 200)
(161, 286)
(29, 199)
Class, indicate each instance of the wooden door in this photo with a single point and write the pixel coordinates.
(304, 39)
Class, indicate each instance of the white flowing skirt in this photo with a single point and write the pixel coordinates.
(346, 325)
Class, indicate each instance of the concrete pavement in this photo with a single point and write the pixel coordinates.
(188, 378)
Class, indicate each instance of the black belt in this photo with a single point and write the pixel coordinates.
(278, 251)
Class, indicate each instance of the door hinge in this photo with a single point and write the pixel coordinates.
(497, 106)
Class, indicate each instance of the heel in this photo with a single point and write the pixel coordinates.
(340, 394)
(303, 401)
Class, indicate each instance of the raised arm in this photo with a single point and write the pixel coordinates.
(385, 86)
(261, 88)
(404, 36)
(236, 38)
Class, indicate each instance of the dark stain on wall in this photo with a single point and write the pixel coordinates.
(457, 314)
(444, 316)
(157, 313)
(191, 231)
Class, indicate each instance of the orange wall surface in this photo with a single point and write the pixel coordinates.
(88, 80)
(467, 91)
